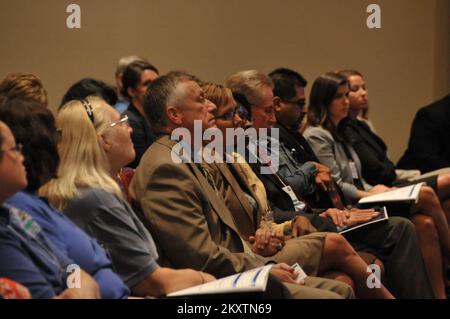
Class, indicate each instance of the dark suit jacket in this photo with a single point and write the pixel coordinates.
(142, 135)
(429, 142)
(281, 203)
(372, 152)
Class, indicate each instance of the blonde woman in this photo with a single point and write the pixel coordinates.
(95, 144)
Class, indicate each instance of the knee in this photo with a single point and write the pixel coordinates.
(444, 181)
(428, 195)
(345, 290)
(424, 225)
(337, 243)
(341, 277)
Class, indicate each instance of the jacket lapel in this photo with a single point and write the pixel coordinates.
(215, 200)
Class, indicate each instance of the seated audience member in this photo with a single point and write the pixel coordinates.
(327, 117)
(90, 87)
(182, 209)
(35, 130)
(371, 149)
(26, 254)
(95, 144)
(250, 218)
(289, 101)
(123, 102)
(429, 146)
(378, 239)
(87, 87)
(289, 91)
(26, 86)
(135, 79)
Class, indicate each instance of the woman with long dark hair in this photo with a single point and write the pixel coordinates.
(325, 131)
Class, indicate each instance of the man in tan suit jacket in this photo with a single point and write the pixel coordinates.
(191, 224)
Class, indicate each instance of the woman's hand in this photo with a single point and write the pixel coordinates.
(351, 217)
(377, 189)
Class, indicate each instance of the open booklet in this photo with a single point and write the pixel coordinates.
(402, 194)
(382, 216)
(250, 281)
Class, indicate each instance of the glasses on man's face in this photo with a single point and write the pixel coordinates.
(122, 122)
(299, 103)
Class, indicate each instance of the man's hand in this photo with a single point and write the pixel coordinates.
(323, 176)
(266, 242)
(302, 226)
(285, 273)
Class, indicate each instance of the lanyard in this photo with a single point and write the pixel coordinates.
(298, 205)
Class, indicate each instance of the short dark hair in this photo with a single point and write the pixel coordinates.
(88, 86)
(131, 76)
(285, 80)
(34, 128)
(159, 94)
(322, 94)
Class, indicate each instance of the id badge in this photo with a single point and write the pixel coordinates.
(298, 205)
(353, 170)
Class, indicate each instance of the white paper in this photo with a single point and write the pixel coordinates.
(251, 280)
(407, 193)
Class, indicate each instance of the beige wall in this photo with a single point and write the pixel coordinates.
(406, 62)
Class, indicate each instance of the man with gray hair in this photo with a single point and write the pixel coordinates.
(190, 222)
(254, 90)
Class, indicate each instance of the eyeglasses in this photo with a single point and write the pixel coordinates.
(123, 121)
(17, 149)
(243, 113)
(300, 103)
(227, 116)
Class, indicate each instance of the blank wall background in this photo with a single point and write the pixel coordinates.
(406, 62)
